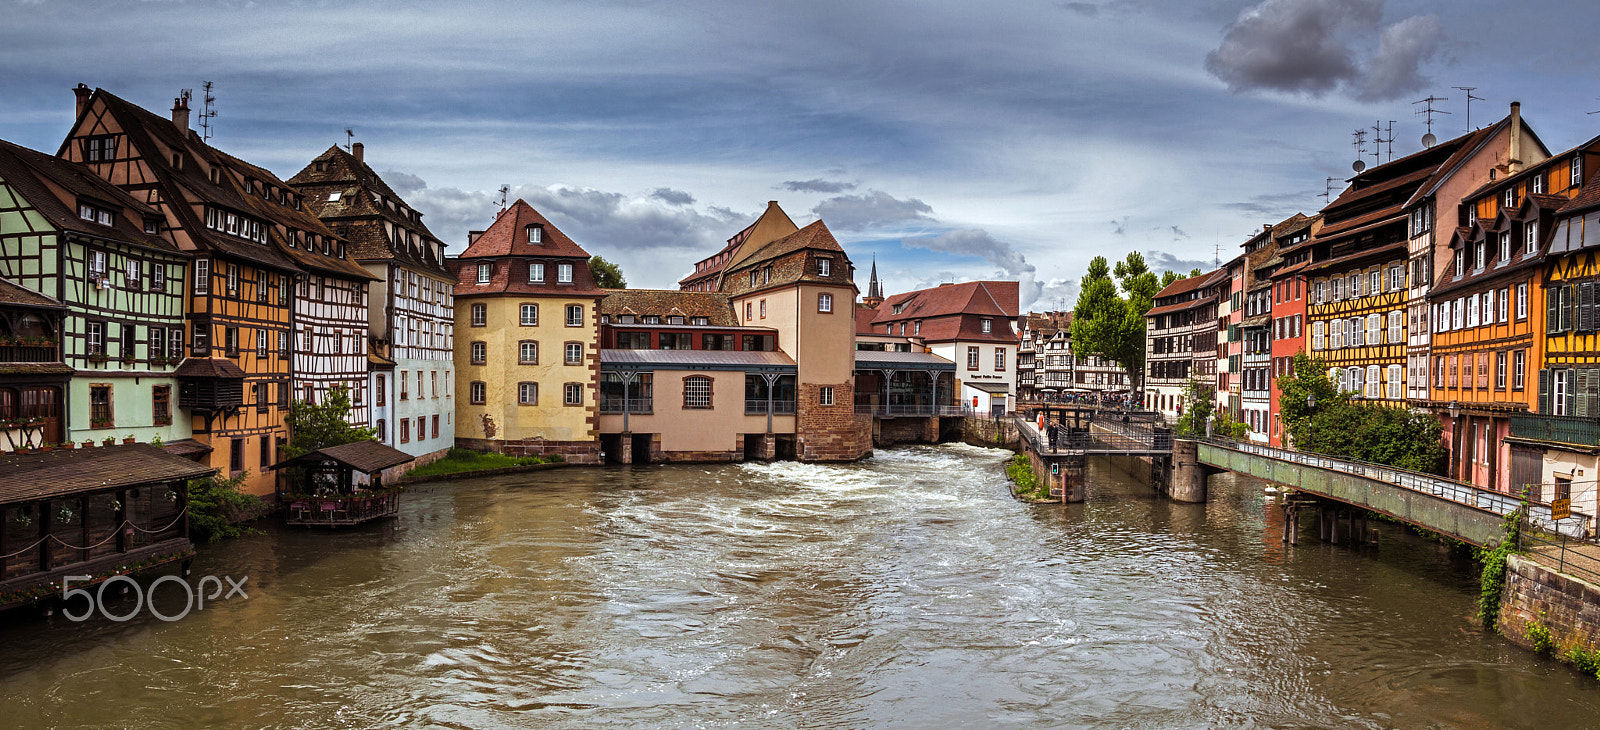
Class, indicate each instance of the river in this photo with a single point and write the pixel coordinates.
(905, 591)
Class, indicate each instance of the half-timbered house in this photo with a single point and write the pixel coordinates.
(33, 379)
(1179, 311)
(233, 218)
(411, 312)
(69, 234)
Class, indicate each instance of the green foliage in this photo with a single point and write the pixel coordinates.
(1168, 277)
(606, 274)
(1539, 635)
(216, 503)
(1198, 404)
(1338, 426)
(1585, 659)
(1110, 323)
(315, 426)
(1024, 482)
(1492, 580)
(460, 460)
(1225, 427)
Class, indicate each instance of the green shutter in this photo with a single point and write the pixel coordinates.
(1585, 319)
(1572, 390)
(1550, 317)
(1581, 407)
(1544, 390)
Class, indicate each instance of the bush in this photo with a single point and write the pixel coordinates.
(460, 460)
(216, 504)
(1025, 482)
(1539, 635)
(1585, 659)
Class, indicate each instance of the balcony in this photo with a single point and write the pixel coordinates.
(758, 407)
(1561, 429)
(912, 409)
(634, 405)
(28, 353)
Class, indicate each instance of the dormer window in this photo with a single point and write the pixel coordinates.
(484, 270)
(674, 319)
(535, 273)
(1531, 233)
(1577, 170)
(177, 161)
(1505, 245)
(1537, 184)
(95, 214)
(988, 326)
(536, 234)
(700, 321)
(152, 226)
(1511, 198)
(563, 273)
(824, 267)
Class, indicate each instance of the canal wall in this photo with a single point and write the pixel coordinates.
(1569, 607)
(993, 433)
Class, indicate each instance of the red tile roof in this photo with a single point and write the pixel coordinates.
(508, 236)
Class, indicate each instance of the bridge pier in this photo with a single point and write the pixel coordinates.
(1188, 481)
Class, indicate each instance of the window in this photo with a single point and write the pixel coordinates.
(236, 456)
(535, 233)
(825, 395)
(436, 425)
(480, 353)
(100, 406)
(1000, 359)
(130, 275)
(1393, 385)
(700, 321)
(824, 267)
(527, 352)
(100, 148)
(201, 339)
(158, 277)
(405, 430)
(1530, 235)
(572, 394)
(383, 430)
(575, 353)
(535, 273)
(824, 300)
(750, 308)
(574, 315)
(1511, 197)
(1537, 182)
(382, 393)
(1397, 325)
(1472, 311)
(475, 392)
(96, 336)
(530, 315)
(763, 309)
(1519, 365)
(1503, 301)
(161, 404)
(484, 271)
(972, 358)
(233, 278)
(754, 278)
(433, 383)
(1577, 170)
(283, 343)
(1563, 388)
(1461, 262)
(1480, 255)
(1374, 329)
(1505, 245)
(405, 386)
(527, 394)
(1374, 281)
(1317, 333)
(261, 342)
(563, 273)
(766, 275)
(1500, 371)
(1522, 301)
(697, 392)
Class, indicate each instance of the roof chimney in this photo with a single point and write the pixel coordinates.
(1514, 159)
(358, 151)
(83, 92)
(180, 114)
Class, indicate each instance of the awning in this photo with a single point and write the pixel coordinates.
(991, 388)
(367, 457)
(186, 447)
(879, 360)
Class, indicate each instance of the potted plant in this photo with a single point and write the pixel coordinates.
(98, 357)
(87, 443)
(46, 447)
(129, 439)
(68, 445)
(107, 441)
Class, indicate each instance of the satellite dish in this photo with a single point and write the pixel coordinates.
(1358, 166)
(1428, 140)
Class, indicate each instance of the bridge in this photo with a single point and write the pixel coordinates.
(1457, 510)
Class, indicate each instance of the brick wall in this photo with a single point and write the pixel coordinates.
(907, 431)
(830, 433)
(1570, 607)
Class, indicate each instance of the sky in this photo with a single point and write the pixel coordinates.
(947, 141)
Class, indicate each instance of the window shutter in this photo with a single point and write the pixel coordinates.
(1550, 300)
(1581, 407)
(1592, 393)
(1572, 391)
(1586, 306)
(1544, 390)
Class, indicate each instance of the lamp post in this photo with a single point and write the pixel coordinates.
(1311, 404)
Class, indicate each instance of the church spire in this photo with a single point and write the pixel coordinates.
(874, 289)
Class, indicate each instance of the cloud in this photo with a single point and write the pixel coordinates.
(1177, 233)
(1120, 227)
(1273, 206)
(873, 209)
(1316, 46)
(402, 183)
(672, 197)
(1159, 261)
(974, 242)
(1402, 48)
(817, 185)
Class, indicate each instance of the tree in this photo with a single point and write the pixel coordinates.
(1099, 315)
(1168, 277)
(1337, 426)
(1308, 376)
(315, 426)
(1196, 407)
(606, 274)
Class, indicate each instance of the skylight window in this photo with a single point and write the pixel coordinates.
(333, 197)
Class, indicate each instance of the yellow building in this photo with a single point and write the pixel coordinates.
(527, 340)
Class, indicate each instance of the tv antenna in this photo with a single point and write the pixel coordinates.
(1216, 255)
(349, 139)
(1470, 97)
(208, 112)
(1378, 141)
(1327, 190)
(504, 191)
(1428, 140)
(1359, 142)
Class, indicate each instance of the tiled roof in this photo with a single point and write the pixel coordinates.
(17, 295)
(357, 215)
(208, 367)
(989, 298)
(33, 174)
(714, 306)
(866, 359)
(151, 134)
(771, 225)
(72, 471)
(815, 235)
(1180, 286)
(367, 457)
(508, 236)
(35, 368)
(864, 317)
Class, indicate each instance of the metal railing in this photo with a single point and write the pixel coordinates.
(1447, 489)
(635, 405)
(1563, 429)
(758, 407)
(1562, 553)
(914, 409)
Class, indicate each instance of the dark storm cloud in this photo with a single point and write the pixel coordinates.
(872, 209)
(1164, 261)
(817, 185)
(973, 242)
(672, 197)
(1274, 207)
(1314, 47)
